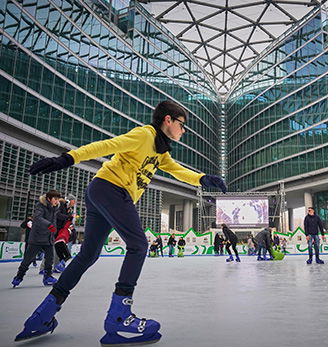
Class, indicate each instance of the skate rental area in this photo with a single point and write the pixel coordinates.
(199, 301)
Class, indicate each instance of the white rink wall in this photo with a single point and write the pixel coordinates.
(196, 244)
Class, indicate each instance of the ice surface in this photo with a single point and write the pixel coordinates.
(199, 301)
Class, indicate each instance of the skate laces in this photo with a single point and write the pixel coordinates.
(142, 325)
(129, 320)
(132, 317)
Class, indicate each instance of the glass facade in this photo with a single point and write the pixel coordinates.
(277, 125)
(74, 72)
(321, 207)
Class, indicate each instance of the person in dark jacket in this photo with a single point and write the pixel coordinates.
(276, 242)
(263, 240)
(64, 215)
(159, 243)
(171, 243)
(66, 211)
(181, 246)
(41, 237)
(153, 250)
(218, 244)
(230, 240)
(312, 226)
(221, 244)
(27, 225)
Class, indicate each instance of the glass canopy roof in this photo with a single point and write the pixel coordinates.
(227, 35)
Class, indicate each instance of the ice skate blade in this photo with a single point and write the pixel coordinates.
(122, 341)
(23, 335)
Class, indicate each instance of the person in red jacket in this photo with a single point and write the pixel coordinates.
(61, 242)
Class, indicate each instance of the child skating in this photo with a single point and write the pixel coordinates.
(110, 199)
(61, 242)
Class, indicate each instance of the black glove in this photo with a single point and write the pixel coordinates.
(47, 165)
(211, 181)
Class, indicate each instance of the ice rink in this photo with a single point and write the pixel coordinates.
(199, 301)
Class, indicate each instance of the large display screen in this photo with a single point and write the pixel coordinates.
(242, 212)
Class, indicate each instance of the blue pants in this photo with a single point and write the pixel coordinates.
(315, 241)
(108, 206)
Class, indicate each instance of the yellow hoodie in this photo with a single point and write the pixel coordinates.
(135, 161)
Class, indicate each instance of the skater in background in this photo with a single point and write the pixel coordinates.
(153, 250)
(181, 246)
(41, 237)
(61, 242)
(221, 244)
(230, 240)
(65, 213)
(72, 238)
(276, 242)
(216, 244)
(284, 245)
(264, 242)
(250, 246)
(27, 225)
(171, 243)
(256, 246)
(110, 199)
(159, 243)
(312, 226)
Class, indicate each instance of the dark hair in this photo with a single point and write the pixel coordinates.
(168, 107)
(310, 208)
(52, 194)
(224, 225)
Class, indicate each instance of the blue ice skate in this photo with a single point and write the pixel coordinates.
(49, 280)
(309, 261)
(319, 261)
(237, 258)
(16, 281)
(60, 267)
(42, 320)
(228, 260)
(41, 272)
(120, 322)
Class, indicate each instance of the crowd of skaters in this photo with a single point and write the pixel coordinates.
(262, 245)
(54, 215)
(49, 234)
(156, 246)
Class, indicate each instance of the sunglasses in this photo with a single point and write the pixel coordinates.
(182, 124)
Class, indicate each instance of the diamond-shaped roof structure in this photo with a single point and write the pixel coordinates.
(227, 35)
